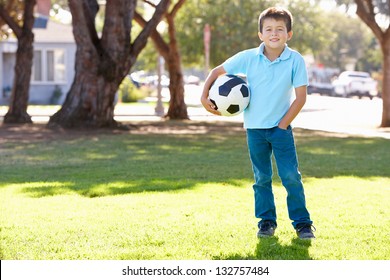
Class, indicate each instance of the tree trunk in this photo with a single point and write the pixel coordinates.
(170, 51)
(367, 11)
(90, 101)
(177, 107)
(17, 110)
(386, 82)
(101, 63)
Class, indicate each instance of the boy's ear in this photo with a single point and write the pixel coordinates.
(289, 35)
(260, 36)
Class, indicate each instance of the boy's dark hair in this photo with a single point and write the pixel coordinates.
(278, 14)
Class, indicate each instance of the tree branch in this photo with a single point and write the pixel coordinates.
(10, 21)
(159, 42)
(177, 7)
(140, 42)
(90, 9)
(83, 25)
(365, 11)
(28, 15)
(150, 3)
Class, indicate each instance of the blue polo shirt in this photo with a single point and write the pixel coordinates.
(271, 84)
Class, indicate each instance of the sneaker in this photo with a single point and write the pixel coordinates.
(305, 231)
(266, 229)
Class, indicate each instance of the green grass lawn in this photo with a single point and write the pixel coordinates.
(183, 190)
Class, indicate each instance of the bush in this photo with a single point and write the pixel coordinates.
(57, 93)
(128, 92)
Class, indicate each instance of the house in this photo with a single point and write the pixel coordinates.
(53, 65)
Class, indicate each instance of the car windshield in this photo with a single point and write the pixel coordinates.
(358, 76)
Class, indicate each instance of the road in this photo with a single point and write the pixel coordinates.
(343, 115)
(352, 116)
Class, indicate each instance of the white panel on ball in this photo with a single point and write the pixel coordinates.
(230, 94)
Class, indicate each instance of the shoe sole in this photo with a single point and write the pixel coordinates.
(306, 237)
(264, 235)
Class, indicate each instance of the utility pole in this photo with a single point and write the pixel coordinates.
(159, 110)
(206, 41)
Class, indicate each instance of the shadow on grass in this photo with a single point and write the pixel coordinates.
(271, 249)
(99, 190)
(170, 157)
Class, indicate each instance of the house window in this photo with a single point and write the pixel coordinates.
(49, 66)
(56, 65)
(37, 66)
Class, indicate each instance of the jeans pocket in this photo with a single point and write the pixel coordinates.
(287, 129)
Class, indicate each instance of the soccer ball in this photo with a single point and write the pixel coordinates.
(230, 95)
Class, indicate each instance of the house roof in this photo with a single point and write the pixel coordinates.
(54, 33)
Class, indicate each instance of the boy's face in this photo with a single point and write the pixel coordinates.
(274, 33)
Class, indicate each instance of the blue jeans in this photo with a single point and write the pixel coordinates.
(261, 144)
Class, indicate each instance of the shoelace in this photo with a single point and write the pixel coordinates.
(266, 225)
(307, 227)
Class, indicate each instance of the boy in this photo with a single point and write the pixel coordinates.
(273, 71)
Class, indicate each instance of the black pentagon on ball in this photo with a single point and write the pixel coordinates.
(225, 89)
(244, 91)
(234, 108)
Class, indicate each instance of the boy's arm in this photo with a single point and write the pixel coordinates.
(213, 75)
(295, 108)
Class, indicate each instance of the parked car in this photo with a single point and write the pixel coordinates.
(142, 78)
(354, 83)
(320, 88)
(191, 80)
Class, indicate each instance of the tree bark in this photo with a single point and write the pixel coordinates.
(386, 82)
(17, 110)
(101, 63)
(177, 107)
